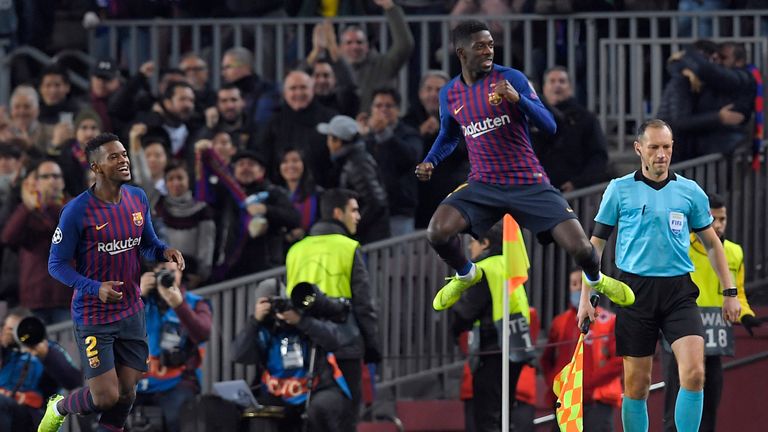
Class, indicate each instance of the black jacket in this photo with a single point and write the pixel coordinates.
(577, 152)
(297, 130)
(397, 151)
(358, 172)
(363, 307)
(722, 86)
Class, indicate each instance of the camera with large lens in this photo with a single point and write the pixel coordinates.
(29, 332)
(165, 278)
(280, 304)
(309, 299)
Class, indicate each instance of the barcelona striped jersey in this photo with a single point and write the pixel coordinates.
(496, 132)
(105, 240)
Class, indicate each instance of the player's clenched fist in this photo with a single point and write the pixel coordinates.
(424, 171)
(107, 293)
(505, 90)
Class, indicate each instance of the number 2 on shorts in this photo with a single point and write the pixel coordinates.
(89, 350)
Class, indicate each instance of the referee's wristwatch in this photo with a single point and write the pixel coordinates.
(730, 292)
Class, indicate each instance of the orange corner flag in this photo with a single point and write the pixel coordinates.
(515, 255)
(568, 388)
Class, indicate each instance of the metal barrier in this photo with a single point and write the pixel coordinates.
(624, 95)
(406, 273)
(531, 43)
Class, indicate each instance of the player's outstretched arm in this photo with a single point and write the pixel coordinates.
(449, 135)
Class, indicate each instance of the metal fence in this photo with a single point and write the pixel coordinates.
(406, 274)
(599, 49)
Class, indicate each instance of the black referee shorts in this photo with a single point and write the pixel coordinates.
(661, 303)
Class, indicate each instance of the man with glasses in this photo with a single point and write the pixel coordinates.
(29, 229)
(196, 71)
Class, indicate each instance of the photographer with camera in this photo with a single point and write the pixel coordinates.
(331, 259)
(31, 369)
(178, 324)
(292, 351)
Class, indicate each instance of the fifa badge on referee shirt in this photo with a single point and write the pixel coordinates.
(138, 219)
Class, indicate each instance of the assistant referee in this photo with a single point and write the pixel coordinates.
(655, 209)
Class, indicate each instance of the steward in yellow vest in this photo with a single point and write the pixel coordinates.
(331, 259)
(480, 308)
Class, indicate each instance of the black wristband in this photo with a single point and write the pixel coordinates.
(730, 292)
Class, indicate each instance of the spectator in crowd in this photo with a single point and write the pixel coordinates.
(678, 99)
(196, 72)
(188, 224)
(149, 159)
(372, 69)
(135, 96)
(55, 104)
(576, 156)
(174, 120)
(602, 367)
(719, 123)
(705, 24)
(72, 158)
(178, 325)
(104, 83)
(261, 97)
(10, 178)
(253, 217)
(330, 259)
(294, 126)
(356, 170)
(330, 93)
(29, 229)
(304, 193)
(424, 116)
(29, 375)
(280, 342)
(228, 115)
(334, 84)
(25, 111)
(397, 148)
(480, 309)
(710, 302)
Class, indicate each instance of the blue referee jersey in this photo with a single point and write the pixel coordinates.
(654, 221)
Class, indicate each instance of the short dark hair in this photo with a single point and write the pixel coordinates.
(171, 89)
(705, 46)
(716, 201)
(334, 199)
(173, 165)
(653, 124)
(54, 69)
(556, 68)
(387, 91)
(94, 144)
(464, 31)
(229, 86)
(494, 235)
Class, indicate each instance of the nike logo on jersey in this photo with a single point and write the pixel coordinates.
(101, 227)
(458, 110)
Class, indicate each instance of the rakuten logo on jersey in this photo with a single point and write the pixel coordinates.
(479, 128)
(119, 246)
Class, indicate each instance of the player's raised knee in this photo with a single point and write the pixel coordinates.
(438, 232)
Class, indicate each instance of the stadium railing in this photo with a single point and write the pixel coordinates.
(406, 273)
(609, 55)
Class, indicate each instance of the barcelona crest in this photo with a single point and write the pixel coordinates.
(138, 219)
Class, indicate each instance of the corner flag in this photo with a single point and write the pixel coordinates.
(515, 256)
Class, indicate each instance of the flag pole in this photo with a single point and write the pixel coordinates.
(505, 391)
